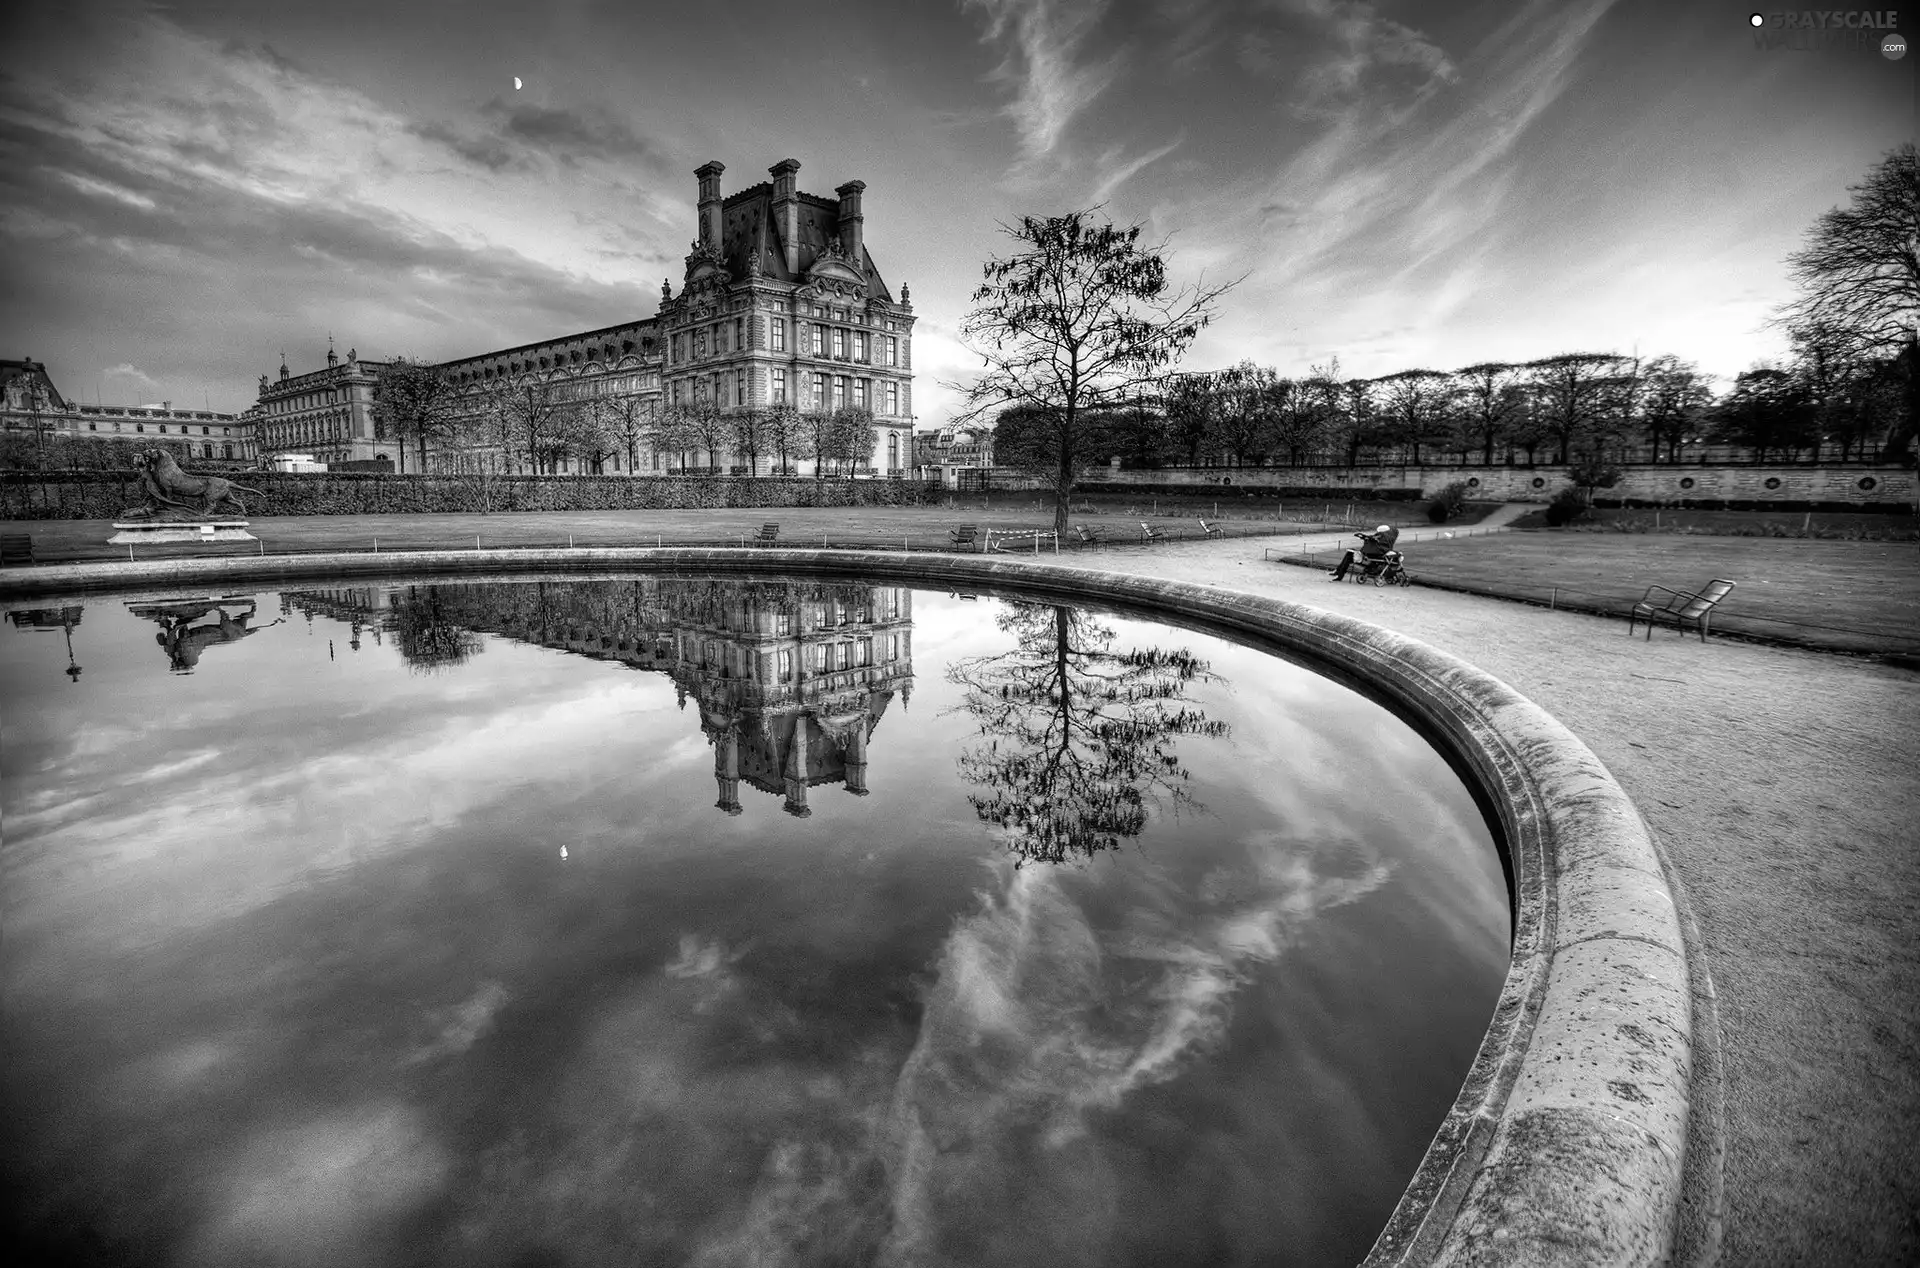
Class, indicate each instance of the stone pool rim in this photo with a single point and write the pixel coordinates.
(1567, 1141)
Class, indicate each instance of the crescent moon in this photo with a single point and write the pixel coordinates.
(516, 83)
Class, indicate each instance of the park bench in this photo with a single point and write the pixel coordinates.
(1680, 608)
(1089, 536)
(966, 537)
(1209, 530)
(768, 535)
(1148, 534)
(15, 548)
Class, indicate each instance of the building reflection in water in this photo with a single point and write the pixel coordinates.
(65, 619)
(790, 678)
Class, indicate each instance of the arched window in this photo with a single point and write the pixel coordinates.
(893, 450)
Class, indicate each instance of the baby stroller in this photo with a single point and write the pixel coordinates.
(1384, 570)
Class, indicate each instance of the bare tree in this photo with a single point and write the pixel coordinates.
(1079, 320)
(1575, 392)
(1488, 403)
(1244, 412)
(589, 433)
(533, 413)
(1859, 278)
(418, 401)
(851, 437)
(1674, 398)
(786, 434)
(1190, 405)
(703, 423)
(816, 440)
(627, 420)
(752, 435)
(1414, 405)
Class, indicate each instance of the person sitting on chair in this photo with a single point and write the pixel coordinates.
(1374, 545)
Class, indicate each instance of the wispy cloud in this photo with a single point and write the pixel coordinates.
(128, 370)
(1118, 172)
(1044, 42)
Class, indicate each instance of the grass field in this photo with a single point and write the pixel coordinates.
(1850, 596)
(1827, 525)
(910, 527)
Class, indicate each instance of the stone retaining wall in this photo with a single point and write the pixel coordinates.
(1781, 487)
(1567, 1143)
(99, 495)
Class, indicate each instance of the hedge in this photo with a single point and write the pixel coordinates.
(104, 495)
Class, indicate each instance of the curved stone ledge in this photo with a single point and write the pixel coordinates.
(1566, 1143)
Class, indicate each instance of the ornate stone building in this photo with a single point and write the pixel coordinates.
(327, 413)
(781, 303)
(33, 408)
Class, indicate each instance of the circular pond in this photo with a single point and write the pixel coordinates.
(688, 920)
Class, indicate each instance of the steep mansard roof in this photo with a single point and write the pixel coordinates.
(748, 228)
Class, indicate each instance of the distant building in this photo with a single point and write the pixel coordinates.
(326, 415)
(32, 408)
(954, 447)
(781, 303)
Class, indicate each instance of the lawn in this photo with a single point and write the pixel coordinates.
(915, 528)
(1859, 596)
(1834, 525)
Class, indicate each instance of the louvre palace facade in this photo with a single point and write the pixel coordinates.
(780, 303)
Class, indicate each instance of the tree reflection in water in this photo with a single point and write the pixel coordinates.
(430, 636)
(1076, 737)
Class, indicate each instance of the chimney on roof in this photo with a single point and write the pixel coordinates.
(709, 174)
(786, 211)
(851, 220)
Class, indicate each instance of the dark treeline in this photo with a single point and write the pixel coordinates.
(1559, 409)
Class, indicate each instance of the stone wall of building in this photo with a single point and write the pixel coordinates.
(1779, 486)
(102, 495)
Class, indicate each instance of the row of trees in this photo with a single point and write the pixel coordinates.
(536, 423)
(1559, 407)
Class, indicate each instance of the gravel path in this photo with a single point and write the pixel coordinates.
(1783, 785)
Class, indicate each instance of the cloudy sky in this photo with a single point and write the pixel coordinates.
(187, 189)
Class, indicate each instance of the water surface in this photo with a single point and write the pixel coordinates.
(708, 922)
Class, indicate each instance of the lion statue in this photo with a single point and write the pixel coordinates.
(166, 485)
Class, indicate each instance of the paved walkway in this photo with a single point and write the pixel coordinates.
(1782, 783)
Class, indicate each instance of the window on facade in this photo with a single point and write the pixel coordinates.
(93, 427)
(819, 391)
(785, 665)
(839, 391)
(226, 451)
(739, 333)
(893, 450)
(893, 398)
(819, 340)
(863, 345)
(739, 387)
(139, 426)
(859, 393)
(779, 386)
(777, 334)
(839, 342)
(865, 650)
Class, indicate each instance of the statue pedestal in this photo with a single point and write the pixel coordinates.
(161, 532)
